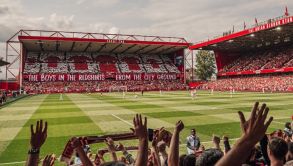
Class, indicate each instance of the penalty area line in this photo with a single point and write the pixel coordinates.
(130, 124)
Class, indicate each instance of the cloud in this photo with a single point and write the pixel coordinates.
(98, 3)
(114, 30)
(199, 20)
(79, 2)
(60, 22)
(4, 10)
(193, 19)
(101, 27)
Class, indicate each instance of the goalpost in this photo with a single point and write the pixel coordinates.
(118, 89)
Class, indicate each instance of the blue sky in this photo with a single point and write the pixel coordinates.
(196, 20)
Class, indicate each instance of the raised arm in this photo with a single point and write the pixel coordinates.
(38, 138)
(111, 148)
(77, 145)
(253, 130)
(127, 155)
(140, 130)
(155, 150)
(99, 159)
(173, 158)
(226, 143)
(216, 142)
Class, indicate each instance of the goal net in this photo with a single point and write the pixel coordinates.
(118, 89)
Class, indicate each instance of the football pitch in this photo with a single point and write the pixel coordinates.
(93, 114)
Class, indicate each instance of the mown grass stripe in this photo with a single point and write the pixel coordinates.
(61, 130)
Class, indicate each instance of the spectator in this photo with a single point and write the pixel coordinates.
(163, 155)
(272, 59)
(288, 130)
(209, 157)
(193, 142)
(267, 83)
(277, 150)
(189, 160)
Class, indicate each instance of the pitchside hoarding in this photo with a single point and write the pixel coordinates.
(98, 77)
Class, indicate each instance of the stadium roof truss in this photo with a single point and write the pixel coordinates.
(42, 40)
(272, 32)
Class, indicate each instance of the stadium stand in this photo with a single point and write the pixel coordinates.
(267, 83)
(53, 62)
(261, 60)
(46, 63)
(255, 59)
(131, 64)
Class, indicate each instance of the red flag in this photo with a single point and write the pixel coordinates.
(255, 21)
(286, 12)
(244, 25)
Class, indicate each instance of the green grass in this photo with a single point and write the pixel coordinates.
(91, 114)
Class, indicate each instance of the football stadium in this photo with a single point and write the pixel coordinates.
(91, 99)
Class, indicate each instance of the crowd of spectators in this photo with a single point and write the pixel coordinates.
(261, 60)
(268, 83)
(160, 147)
(71, 62)
(102, 86)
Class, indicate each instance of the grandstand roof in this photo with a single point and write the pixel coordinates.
(272, 32)
(38, 40)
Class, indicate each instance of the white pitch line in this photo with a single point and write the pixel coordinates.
(130, 124)
(18, 162)
(278, 122)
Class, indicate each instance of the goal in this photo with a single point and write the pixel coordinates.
(118, 89)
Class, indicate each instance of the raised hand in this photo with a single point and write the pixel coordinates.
(110, 143)
(179, 126)
(164, 135)
(120, 147)
(101, 153)
(216, 139)
(227, 146)
(77, 144)
(225, 138)
(39, 136)
(140, 128)
(253, 131)
(155, 140)
(255, 127)
(49, 160)
(173, 158)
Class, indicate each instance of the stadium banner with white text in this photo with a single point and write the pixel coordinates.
(98, 77)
